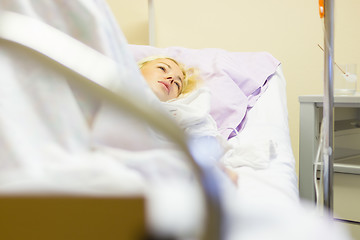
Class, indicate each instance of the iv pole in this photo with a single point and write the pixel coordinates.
(151, 19)
(328, 106)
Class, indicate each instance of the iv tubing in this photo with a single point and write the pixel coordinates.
(317, 164)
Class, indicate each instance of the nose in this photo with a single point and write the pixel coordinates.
(170, 78)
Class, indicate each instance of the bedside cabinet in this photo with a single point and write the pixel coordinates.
(346, 182)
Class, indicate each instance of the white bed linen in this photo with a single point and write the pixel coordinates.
(266, 141)
(266, 204)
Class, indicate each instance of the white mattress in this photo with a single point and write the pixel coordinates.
(267, 205)
(267, 127)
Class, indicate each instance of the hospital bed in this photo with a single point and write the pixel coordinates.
(53, 145)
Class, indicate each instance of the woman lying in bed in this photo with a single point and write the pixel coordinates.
(179, 90)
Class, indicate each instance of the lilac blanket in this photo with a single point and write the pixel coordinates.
(236, 79)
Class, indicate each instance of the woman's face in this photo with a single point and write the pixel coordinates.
(164, 77)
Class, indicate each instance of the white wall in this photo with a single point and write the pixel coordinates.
(132, 16)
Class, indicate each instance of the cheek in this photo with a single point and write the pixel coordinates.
(145, 74)
(149, 76)
(174, 93)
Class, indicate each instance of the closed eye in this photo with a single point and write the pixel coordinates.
(178, 85)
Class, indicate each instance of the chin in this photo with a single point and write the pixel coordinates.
(161, 97)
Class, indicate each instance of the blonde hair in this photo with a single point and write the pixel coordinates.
(191, 77)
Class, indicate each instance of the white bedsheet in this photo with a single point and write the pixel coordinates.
(266, 141)
(266, 204)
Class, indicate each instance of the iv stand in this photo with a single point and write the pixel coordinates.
(328, 109)
(151, 19)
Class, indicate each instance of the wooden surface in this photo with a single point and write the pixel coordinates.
(64, 217)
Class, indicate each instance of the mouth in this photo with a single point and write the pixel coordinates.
(166, 85)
